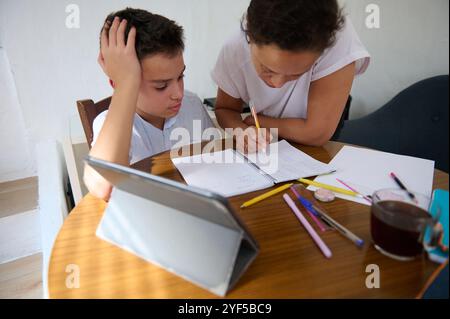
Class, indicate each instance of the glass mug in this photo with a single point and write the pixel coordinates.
(398, 223)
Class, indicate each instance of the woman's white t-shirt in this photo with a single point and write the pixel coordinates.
(235, 74)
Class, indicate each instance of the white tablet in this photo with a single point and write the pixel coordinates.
(191, 232)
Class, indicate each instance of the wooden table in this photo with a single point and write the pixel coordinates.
(289, 264)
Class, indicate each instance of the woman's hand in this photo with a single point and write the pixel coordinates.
(252, 139)
(117, 59)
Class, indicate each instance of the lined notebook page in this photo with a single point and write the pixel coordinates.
(229, 175)
(284, 163)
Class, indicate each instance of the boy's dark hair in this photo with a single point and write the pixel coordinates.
(293, 25)
(154, 33)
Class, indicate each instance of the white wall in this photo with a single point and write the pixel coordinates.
(412, 44)
(53, 66)
(15, 159)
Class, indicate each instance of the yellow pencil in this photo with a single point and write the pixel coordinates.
(255, 116)
(329, 187)
(266, 195)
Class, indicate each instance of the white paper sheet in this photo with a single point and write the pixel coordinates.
(368, 170)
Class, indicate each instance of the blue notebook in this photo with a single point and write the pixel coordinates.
(439, 201)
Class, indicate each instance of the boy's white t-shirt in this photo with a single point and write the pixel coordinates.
(148, 140)
(235, 74)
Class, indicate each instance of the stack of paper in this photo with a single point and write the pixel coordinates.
(367, 171)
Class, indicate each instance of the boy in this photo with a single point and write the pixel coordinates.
(142, 54)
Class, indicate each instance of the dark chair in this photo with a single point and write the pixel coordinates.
(413, 123)
(344, 117)
(88, 111)
(211, 103)
(437, 286)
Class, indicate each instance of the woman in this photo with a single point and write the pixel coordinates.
(294, 61)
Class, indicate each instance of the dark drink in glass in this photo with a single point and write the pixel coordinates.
(398, 223)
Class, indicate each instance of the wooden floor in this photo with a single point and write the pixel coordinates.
(21, 278)
(18, 196)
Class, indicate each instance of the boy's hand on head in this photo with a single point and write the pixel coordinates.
(119, 60)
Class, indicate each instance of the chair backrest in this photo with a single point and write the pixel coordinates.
(413, 123)
(88, 111)
(53, 199)
(344, 117)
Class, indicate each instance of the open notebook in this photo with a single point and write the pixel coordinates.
(230, 173)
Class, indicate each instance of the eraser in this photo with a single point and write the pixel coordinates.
(324, 195)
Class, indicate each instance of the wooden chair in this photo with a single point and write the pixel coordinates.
(88, 111)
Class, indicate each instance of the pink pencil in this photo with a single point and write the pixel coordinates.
(319, 242)
(353, 190)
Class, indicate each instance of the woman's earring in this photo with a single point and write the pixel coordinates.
(247, 38)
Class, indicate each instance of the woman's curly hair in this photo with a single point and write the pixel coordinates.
(293, 25)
